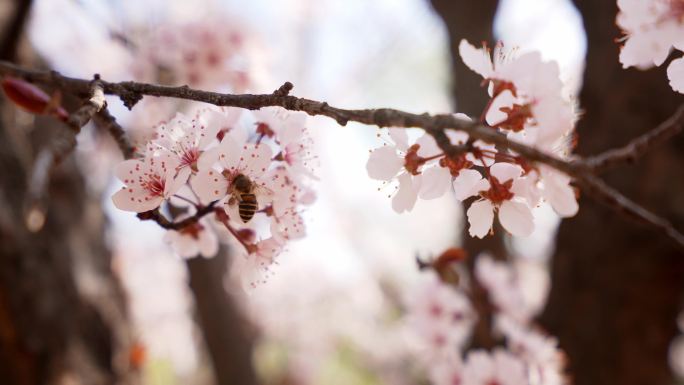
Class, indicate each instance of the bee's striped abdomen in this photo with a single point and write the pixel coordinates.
(247, 207)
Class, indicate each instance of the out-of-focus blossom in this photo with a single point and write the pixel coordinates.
(544, 361)
(441, 316)
(447, 372)
(207, 54)
(254, 266)
(504, 290)
(196, 239)
(652, 28)
(498, 367)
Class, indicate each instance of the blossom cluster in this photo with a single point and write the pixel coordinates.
(652, 29)
(443, 317)
(202, 54)
(254, 168)
(528, 104)
(209, 54)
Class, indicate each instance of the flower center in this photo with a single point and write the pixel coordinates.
(518, 115)
(189, 158)
(154, 184)
(412, 161)
(192, 230)
(455, 164)
(498, 192)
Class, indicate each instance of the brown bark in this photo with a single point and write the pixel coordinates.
(61, 309)
(616, 285)
(471, 20)
(226, 332)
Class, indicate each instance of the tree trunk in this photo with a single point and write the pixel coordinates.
(61, 308)
(616, 285)
(473, 21)
(226, 332)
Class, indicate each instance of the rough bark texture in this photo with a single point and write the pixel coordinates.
(225, 330)
(61, 309)
(617, 285)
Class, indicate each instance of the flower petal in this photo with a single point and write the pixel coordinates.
(465, 183)
(675, 72)
(476, 59)
(516, 217)
(135, 200)
(428, 146)
(384, 163)
(400, 138)
(434, 183)
(505, 171)
(406, 197)
(480, 217)
(209, 185)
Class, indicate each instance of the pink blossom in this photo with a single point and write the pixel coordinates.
(652, 28)
(287, 197)
(205, 54)
(446, 372)
(500, 193)
(196, 239)
(255, 267)
(233, 157)
(414, 171)
(441, 316)
(498, 367)
(544, 361)
(527, 93)
(675, 73)
(148, 182)
(290, 133)
(186, 140)
(504, 289)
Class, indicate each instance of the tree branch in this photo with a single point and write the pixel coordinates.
(106, 121)
(434, 125)
(638, 146)
(155, 215)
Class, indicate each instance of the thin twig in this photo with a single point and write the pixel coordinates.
(638, 146)
(155, 215)
(53, 154)
(623, 205)
(435, 125)
(106, 121)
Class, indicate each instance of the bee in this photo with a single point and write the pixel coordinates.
(243, 192)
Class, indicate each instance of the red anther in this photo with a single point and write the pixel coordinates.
(455, 164)
(498, 192)
(518, 115)
(412, 161)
